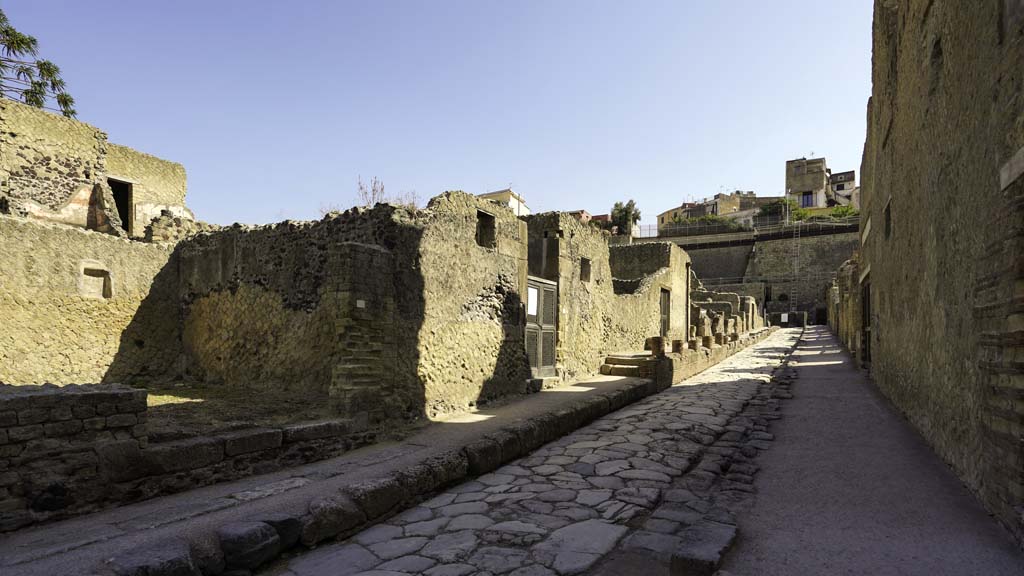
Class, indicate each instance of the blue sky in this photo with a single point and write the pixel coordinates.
(276, 108)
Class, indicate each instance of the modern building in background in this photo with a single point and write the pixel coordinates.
(807, 181)
(514, 201)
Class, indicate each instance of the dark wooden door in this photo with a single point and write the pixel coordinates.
(541, 325)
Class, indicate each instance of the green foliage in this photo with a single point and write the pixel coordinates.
(26, 78)
(625, 216)
(778, 209)
(710, 220)
(844, 212)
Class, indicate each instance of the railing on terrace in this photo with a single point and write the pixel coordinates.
(762, 225)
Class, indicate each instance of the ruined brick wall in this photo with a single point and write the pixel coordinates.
(593, 320)
(942, 213)
(48, 441)
(289, 306)
(845, 313)
(46, 158)
(80, 306)
(157, 184)
(50, 166)
(387, 309)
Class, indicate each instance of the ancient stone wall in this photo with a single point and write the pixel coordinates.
(71, 450)
(845, 312)
(46, 158)
(721, 263)
(598, 314)
(80, 306)
(634, 261)
(817, 259)
(156, 184)
(942, 220)
(48, 437)
(388, 309)
(55, 168)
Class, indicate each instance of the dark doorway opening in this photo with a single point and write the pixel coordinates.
(666, 307)
(865, 334)
(122, 192)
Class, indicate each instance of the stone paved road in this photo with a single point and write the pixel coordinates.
(633, 481)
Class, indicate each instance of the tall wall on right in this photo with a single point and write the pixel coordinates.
(942, 227)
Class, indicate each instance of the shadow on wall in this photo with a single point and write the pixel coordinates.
(149, 350)
(511, 362)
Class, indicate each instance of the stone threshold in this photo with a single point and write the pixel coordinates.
(190, 532)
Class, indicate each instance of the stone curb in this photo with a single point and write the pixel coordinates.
(360, 505)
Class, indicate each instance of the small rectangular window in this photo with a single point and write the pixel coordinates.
(807, 200)
(95, 283)
(486, 234)
(585, 269)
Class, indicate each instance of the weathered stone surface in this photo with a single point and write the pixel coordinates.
(377, 497)
(183, 455)
(315, 430)
(396, 547)
(171, 558)
(246, 441)
(451, 547)
(343, 560)
(702, 547)
(329, 517)
(248, 544)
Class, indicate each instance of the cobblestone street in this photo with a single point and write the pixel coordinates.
(647, 480)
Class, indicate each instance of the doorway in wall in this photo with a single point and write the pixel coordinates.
(865, 334)
(122, 192)
(666, 307)
(541, 325)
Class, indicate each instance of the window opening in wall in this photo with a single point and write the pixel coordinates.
(783, 297)
(96, 283)
(888, 219)
(807, 200)
(123, 200)
(486, 235)
(585, 269)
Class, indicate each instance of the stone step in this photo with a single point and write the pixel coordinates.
(627, 359)
(620, 370)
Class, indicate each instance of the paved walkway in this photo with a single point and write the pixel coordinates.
(849, 487)
(631, 482)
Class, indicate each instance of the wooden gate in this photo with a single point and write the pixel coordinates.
(541, 325)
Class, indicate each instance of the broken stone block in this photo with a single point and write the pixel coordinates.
(377, 497)
(330, 516)
(248, 544)
(703, 547)
(171, 558)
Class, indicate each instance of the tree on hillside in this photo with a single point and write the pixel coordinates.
(625, 216)
(26, 78)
